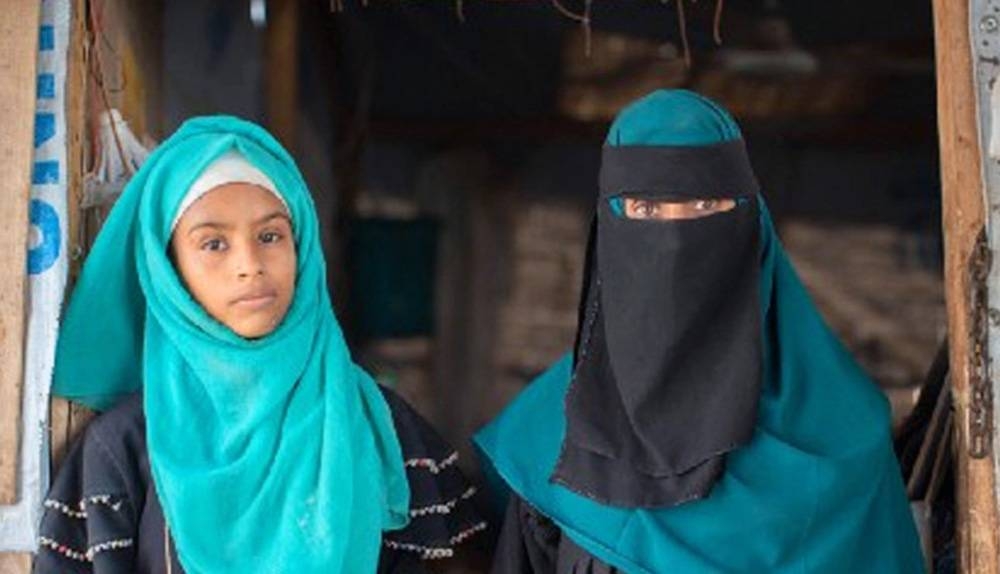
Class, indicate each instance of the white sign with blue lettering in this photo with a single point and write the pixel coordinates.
(47, 269)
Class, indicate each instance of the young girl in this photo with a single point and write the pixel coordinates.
(708, 421)
(254, 443)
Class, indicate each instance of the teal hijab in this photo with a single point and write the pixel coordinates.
(817, 490)
(269, 455)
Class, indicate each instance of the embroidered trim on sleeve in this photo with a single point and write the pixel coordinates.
(436, 553)
(425, 552)
(65, 509)
(430, 464)
(92, 551)
(109, 545)
(81, 507)
(467, 533)
(64, 550)
(444, 507)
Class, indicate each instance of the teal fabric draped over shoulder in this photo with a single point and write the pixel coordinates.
(817, 490)
(269, 455)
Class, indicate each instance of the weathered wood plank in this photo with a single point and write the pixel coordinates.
(18, 53)
(60, 411)
(76, 130)
(963, 217)
(281, 80)
(15, 563)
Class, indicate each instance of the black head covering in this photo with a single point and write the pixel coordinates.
(667, 364)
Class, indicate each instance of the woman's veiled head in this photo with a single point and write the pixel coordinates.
(671, 118)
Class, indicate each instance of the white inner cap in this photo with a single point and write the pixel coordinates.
(230, 167)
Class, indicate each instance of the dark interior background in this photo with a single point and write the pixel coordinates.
(453, 151)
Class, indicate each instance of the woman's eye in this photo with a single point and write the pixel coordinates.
(213, 245)
(645, 209)
(705, 204)
(270, 237)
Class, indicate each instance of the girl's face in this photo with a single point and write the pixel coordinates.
(235, 252)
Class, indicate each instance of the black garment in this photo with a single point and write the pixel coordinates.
(102, 514)
(530, 543)
(667, 366)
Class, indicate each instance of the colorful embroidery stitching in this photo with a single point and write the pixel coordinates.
(430, 464)
(443, 508)
(81, 511)
(92, 551)
(435, 553)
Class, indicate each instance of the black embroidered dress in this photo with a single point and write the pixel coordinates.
(102, 514)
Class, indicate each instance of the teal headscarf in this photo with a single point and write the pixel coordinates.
(269, 455)
(817, 490)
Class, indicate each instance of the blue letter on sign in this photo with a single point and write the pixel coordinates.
(46, 38)
(43, 255)
(45, 128)
(46, 86)
(45, 172)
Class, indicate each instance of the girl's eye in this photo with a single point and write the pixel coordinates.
(215, 244)
(705, 204)
(270, 237)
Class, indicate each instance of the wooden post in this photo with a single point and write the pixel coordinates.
(963, 217)
(76, 130)
(281, 64)
(15, 563)
(19, 33)
(60, 414)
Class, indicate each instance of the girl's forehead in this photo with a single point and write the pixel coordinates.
(234, 202)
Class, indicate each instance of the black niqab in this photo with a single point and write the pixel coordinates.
(667, 368)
